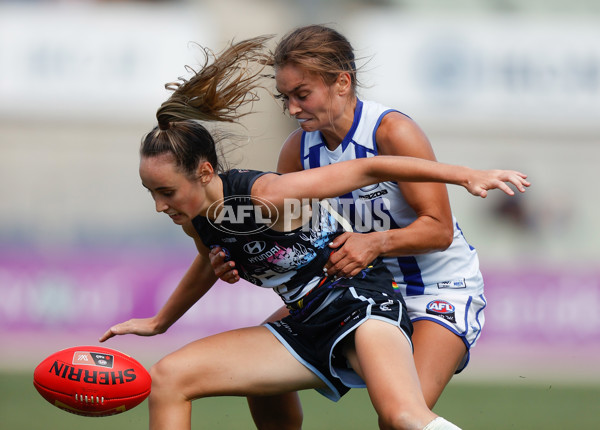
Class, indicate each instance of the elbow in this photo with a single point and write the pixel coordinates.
(437, 240)
(446, 237)
(441, 236)
(445, 242)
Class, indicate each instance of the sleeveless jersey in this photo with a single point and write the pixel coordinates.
(291, 263)
(383, 206)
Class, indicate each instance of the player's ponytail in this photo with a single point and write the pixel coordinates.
(215, 93)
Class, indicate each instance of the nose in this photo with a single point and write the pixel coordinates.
(293, 107)
(160, 205)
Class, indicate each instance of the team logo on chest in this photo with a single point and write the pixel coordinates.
(443, 309)
(371, 192)
(255, 247)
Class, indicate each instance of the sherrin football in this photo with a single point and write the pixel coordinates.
(92, 381)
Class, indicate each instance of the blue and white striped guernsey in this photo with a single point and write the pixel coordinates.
(383, 205)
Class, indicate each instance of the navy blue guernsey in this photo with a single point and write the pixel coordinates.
(289, 262)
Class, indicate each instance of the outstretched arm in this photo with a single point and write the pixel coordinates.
(340, 178)
(199, 278)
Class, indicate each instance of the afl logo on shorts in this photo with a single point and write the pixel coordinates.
(442, 309)
(255, 247)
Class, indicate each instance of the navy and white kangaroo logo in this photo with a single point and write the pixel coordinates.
(385, 307)
(255, 247)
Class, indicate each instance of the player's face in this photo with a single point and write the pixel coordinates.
(173, 192)
(307, 98)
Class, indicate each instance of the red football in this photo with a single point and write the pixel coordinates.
(92, 381)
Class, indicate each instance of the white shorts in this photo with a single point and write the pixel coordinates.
(459, 313)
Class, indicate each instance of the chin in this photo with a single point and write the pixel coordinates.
(307, 127)
(178, 219)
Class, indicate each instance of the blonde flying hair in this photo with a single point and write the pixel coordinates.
(215, 93)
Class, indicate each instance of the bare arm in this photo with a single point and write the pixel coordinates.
(198, 279)
(432, 229)
(317, 183)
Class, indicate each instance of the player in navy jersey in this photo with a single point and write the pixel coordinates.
(340, 332)
(435, 268)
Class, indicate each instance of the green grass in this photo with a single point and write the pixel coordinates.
(471, 406)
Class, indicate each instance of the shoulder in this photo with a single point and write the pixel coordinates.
(290, 159)
(395, 121)
(398, 134)
(240, 181)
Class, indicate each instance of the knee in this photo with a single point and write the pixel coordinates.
(164, 378)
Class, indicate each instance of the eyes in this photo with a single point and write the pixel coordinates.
(164, 193)
(285, 98)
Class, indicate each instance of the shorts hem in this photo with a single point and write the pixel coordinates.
(331, 392)
(462, 337)
(350, 378)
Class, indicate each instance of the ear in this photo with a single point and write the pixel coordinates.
(343, 84)
(205, 172)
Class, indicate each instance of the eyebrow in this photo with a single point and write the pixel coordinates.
(293, 90)
(157, 189)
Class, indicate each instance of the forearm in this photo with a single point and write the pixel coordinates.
(354, 251)
(317, 183)
(411, 169)
(422, 236)
(198, 279)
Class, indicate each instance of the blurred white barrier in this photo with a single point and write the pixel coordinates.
(95, 61)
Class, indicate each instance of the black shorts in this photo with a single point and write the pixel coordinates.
(313, 339)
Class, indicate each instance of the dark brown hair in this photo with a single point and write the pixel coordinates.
(214, 93)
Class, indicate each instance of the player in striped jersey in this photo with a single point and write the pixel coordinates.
(435, 268)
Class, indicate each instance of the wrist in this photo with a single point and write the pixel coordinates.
(380, 242)
(466, 178)
(159, 325)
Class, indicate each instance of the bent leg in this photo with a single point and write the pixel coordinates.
(280, 412)
(382, 356)
(429, 338)
(248, 361)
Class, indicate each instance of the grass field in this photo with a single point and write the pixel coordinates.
(470, 405)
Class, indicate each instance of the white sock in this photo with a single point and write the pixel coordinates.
(440, 424)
